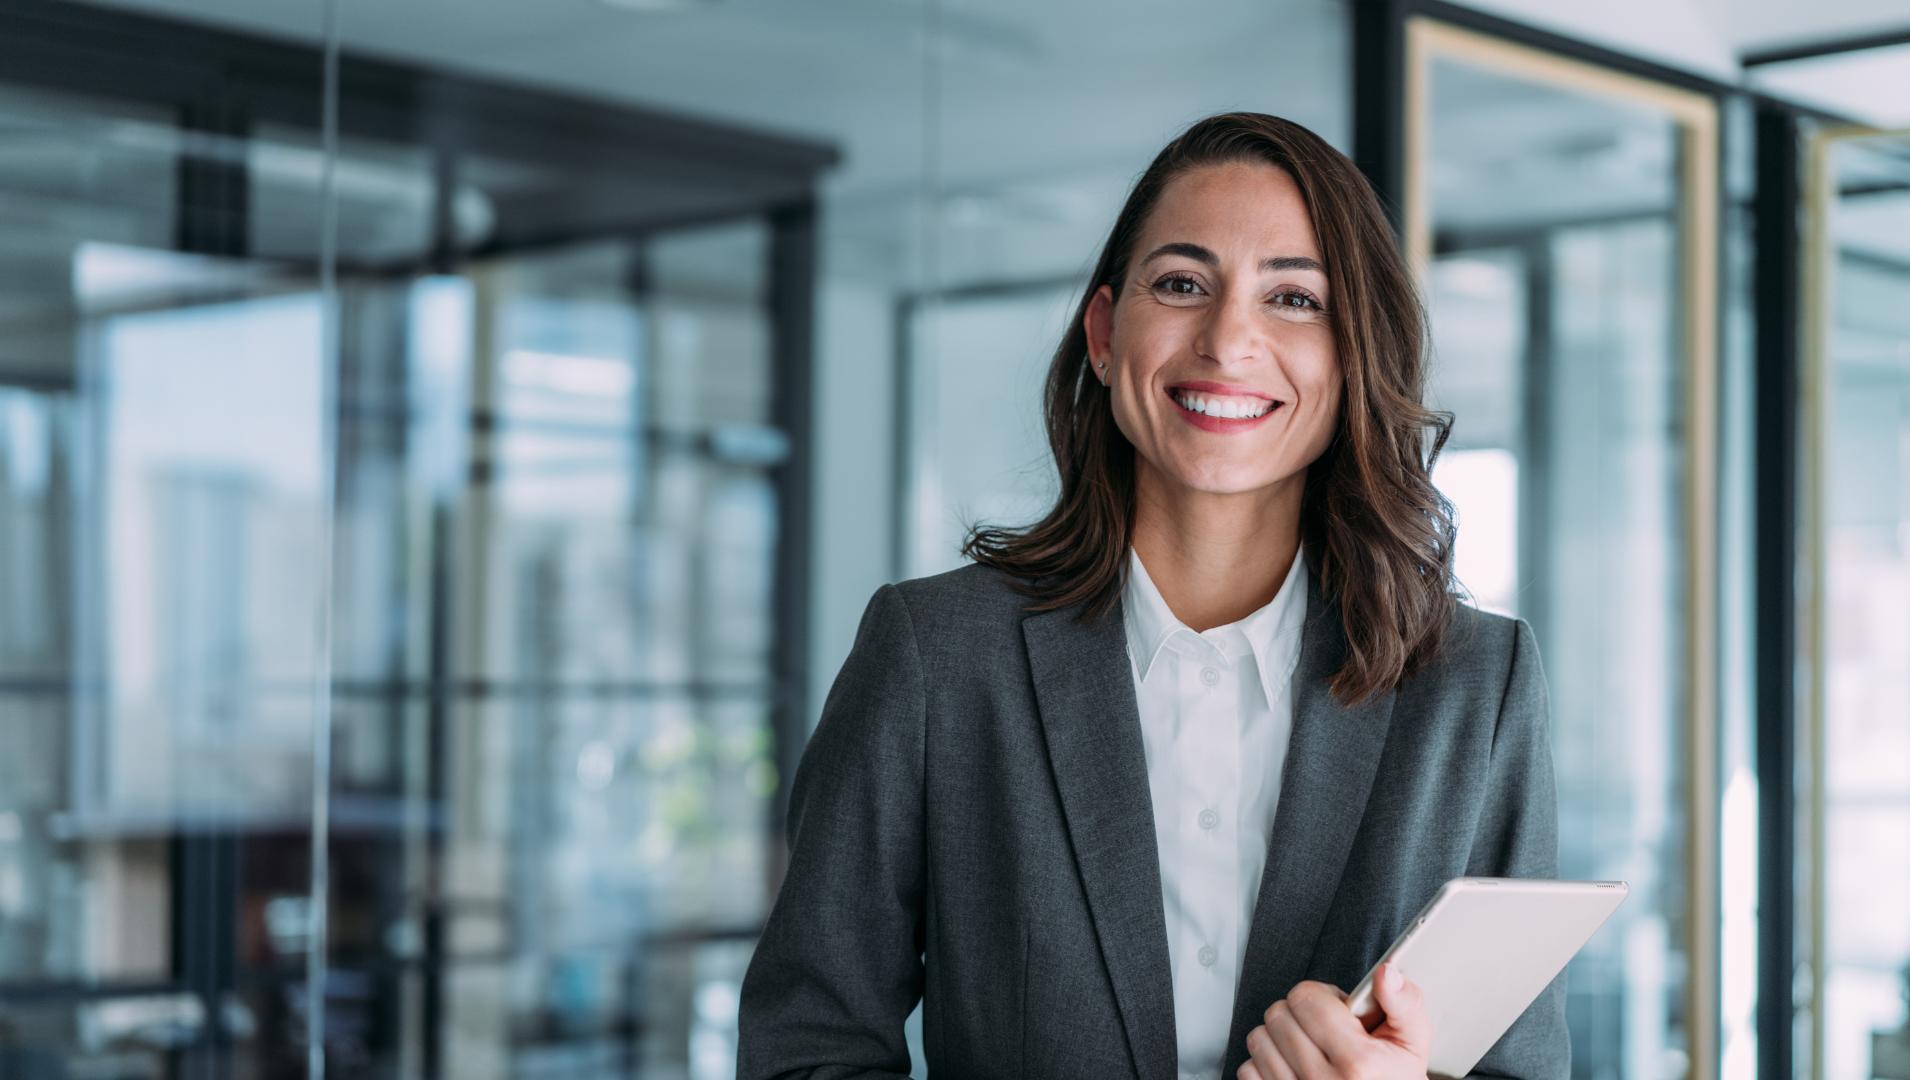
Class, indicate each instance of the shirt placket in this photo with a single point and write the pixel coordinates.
(1209, 833)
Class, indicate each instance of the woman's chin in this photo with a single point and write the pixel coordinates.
(1223, 482)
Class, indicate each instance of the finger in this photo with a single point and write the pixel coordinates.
(1264, 1061)
(1323, 1014)
(1407, 1023)
(1306, 1060)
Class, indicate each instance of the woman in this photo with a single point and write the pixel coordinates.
(1140, 791)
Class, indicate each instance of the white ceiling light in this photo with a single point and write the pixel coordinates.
(656, 5)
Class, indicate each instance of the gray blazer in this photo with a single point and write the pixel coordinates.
(970, 827)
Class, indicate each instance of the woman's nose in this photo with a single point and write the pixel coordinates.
(1232, 331)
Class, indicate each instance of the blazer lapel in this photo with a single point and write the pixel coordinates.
(1332, 757)
(1091, 720)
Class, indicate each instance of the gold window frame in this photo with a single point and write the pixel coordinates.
(1696, 117)
(1819, 325)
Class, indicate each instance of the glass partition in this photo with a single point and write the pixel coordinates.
(1564, 220)
(163, 507)
(1857, 621)
(563, 738)
(524, 554)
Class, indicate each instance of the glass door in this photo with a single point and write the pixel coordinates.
(1856, 839)
(1563, 218)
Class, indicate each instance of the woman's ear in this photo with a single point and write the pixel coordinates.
(1098, 322)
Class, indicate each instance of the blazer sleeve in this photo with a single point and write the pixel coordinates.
(839, 968)
(1517, 836)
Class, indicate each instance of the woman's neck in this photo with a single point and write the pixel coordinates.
(1217, 558)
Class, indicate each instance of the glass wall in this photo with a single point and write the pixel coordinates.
(164, 501)
(553, 665)
(480, 568)
(1561, 216)
(1858, 492)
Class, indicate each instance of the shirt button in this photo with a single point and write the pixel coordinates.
(1208, 956)
(1209, 676)
(1209, 819)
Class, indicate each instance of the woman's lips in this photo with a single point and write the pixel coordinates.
(1222, 424)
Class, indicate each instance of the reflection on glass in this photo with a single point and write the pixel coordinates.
(555, 678)
(161, 512)
(1865, 552)
(61, 206)
(561, 741)
(1555, 298)
(210, 513)
(384, 198)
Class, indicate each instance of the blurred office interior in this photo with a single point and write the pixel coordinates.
(446, 447)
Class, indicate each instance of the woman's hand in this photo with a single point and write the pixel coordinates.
(1312, 1035)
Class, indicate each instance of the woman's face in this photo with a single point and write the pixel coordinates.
(1219, 355)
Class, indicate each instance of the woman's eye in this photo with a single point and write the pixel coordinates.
(1299, 301)
(1168, 283)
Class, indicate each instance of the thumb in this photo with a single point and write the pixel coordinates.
(1406, 1024)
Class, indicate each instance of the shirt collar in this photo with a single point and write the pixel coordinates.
(1272, 631)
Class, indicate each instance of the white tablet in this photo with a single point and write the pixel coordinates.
(1482, 950)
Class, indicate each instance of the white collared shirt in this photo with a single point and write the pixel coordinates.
(1216, 709)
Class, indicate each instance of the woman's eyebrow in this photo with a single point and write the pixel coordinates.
(1272, 263)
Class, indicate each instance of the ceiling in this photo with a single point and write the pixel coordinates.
(1704, 36)
(1004, 99)
(1023, 124)
(841, 70)
(585, 45)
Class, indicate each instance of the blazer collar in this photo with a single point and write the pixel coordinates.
(1090, 719)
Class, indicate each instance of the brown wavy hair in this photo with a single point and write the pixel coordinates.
(1376, 531)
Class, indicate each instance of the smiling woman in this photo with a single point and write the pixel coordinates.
(1225, 310)
(1141, 790)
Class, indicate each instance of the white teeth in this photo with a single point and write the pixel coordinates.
(1231, 408)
